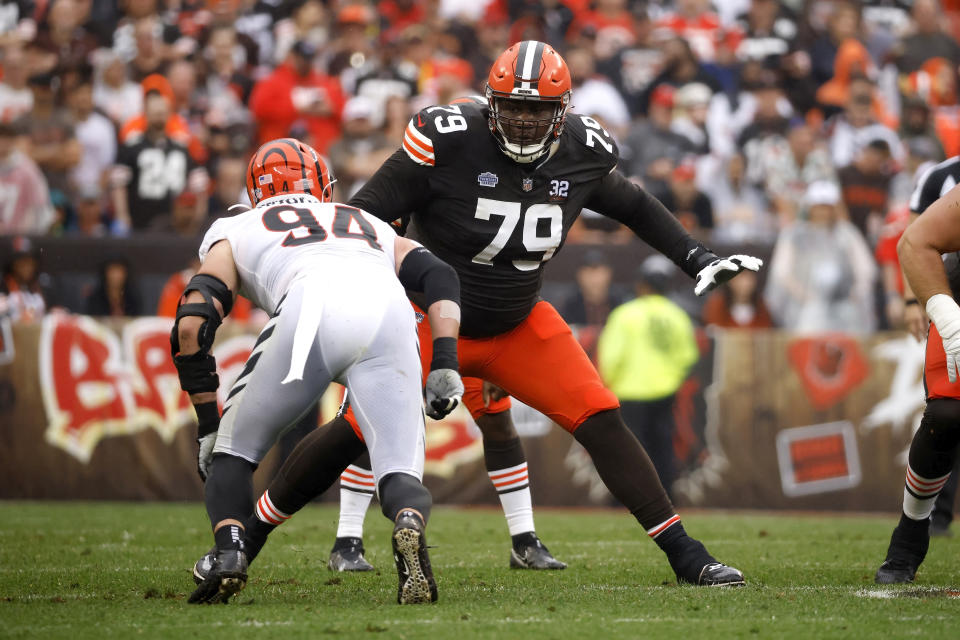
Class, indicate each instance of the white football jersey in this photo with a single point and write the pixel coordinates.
(289, 236)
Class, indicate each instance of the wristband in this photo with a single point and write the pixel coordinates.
(208, 417)
(910, 301)
(444, 354)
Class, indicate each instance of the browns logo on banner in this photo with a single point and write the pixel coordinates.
(830, 366)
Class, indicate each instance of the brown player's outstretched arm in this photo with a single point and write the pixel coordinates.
(618, 198)
(399, 187)
(934, 233)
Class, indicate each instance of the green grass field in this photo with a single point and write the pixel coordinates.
(118, 570)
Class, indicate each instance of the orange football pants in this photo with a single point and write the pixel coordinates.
(539, 362)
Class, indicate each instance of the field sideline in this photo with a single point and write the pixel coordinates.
(120, 570)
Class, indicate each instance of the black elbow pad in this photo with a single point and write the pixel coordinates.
(422, 271)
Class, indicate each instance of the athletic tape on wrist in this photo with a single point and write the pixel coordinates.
(944, 312)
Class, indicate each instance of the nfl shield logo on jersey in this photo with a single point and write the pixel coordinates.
(527, 184)
(487, 179)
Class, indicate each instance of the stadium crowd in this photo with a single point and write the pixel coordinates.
(800, 126)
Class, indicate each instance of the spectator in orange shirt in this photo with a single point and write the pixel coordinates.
(177, 128)
(296, 98)
(737, 305)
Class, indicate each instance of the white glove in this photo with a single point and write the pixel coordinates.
(722, 269)
(945, 314)
(443, 392)
(205, 454)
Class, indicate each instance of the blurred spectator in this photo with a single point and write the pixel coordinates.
(891, 277)
(361, 150)
(53, 141)
(24, 291)
(644, 354)
(609, 20)
(764, 110)
(397, 15)
(737, 305)
(397, 116)
(188, 218)
(16, 98)
(857, 125)
(587, 309)
(843, 24)
(769, 31)
(594, 95)
(866, 188)
(89, 219)
(695, 23)
(95, 133)
(307, 23)
(692, 102)
(691, 206)
(654, 148)
(757, 109)
(916, 123)
(151, 170)
(113, 93)
(23, 190)
(297, 100)
(16, 22)
(822, 272)
(177, 127)
(679, 67)
(115, 293)
(352, 53)
(228, 83)
(786, 166)
(928, 39)
(62, 34)
(149, 50)
(739, 209)
(851, 62)
(229, 186)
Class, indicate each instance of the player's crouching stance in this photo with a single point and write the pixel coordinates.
(334, 277)
(933, 451)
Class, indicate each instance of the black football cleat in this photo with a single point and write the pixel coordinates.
(347, 555)
(904, 555)
(413, 563)
(227, 576)
(529, 552)
(717, 574)
(203, 566)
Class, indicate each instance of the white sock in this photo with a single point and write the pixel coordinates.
(513, 488)
(920, 494)
(356, 491)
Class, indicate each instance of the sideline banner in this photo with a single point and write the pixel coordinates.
(92, 409)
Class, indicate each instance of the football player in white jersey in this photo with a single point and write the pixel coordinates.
(334, 279)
